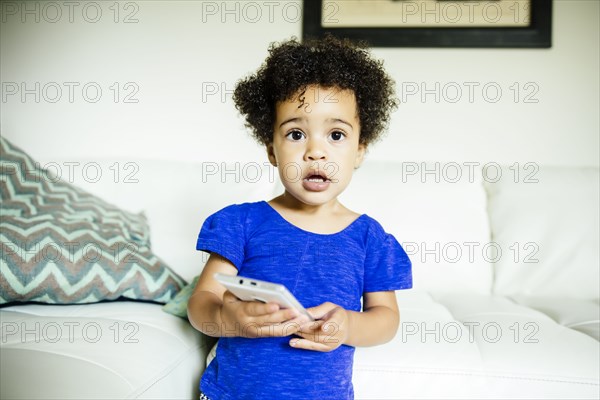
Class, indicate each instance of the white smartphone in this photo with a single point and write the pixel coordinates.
(248, 289)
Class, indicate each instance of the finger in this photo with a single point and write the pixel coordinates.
(300, 320)
(278, 317)
(321, 310)
(229, 297)
(311, 326)
(309, 345)
(303, 319)
(255, 330)
(286, 327)
(335, 314)
(328, 335)
(256, 308)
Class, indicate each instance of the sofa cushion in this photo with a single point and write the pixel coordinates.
(440, 221)
(111, 350)
(546, 220)
(458, 346)
(62, 245)
(577, 314)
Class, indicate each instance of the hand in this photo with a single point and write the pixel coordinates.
(328, 333)
(253, 319)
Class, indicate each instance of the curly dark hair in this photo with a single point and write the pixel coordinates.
(330, 63)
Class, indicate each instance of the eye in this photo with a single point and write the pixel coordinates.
(295, 135)
(337, 136)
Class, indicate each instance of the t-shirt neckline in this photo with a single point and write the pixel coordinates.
(348, 227)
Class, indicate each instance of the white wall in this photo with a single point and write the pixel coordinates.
(176, 49)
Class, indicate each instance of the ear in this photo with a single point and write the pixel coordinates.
(271, 155)
(360, 155)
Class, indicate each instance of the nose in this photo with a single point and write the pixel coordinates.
(315, 150)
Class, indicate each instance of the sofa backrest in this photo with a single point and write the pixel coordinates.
(547, 221)
(461, 225)
(437, 212)
(176, 197)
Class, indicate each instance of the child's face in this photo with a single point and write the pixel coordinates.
(316, 144)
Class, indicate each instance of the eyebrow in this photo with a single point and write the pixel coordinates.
(303, 119)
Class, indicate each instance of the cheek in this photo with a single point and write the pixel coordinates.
(290, 150)
(289, 172)
(347, 168)
(340, 171)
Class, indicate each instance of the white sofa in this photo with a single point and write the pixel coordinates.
(504, 304)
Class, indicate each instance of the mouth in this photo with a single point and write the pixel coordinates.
(316, 176)
(315, 181)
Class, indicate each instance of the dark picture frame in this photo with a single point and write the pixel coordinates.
(536, 35)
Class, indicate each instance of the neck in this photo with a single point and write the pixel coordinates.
(293, 204)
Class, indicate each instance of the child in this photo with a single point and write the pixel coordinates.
(315, 106)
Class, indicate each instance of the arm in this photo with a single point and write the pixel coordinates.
(215, 311)
(377, 324)
(204, 305)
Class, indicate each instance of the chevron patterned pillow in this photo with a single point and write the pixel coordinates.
(62, 245)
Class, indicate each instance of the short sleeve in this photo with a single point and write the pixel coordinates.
(223, 233)
(387, 266)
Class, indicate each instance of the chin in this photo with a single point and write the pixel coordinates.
(316, 199)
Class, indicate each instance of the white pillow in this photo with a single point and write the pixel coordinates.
(549, 231)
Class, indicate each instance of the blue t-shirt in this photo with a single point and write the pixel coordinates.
(316, 268)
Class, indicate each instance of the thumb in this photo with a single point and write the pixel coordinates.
(321, 310)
